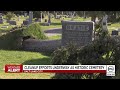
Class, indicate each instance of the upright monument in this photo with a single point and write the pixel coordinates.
(104, 23)
(30, 17)
(78, 33)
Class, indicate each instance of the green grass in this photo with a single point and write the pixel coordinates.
(22, 57)
(56, 23)
(56, 37)
(113, 26)
(50, 27)
(79, 19)
(25, 75)
(11, 26)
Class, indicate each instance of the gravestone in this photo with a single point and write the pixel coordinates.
(55, 15)
(30, 17)
(58, 17)
(46, 23)
(114, 32)
(78, 33)
(25, 14)
(72, 16)
(41, 17)
(4, 26)
(104, 23)
(118, 29)
(1, 19)
(11, 22)
(19, 18)
(49, 19)
(25, 22)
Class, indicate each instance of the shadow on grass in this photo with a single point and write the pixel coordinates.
(43, 53)
(53, 23)
(59, 31)
(4, 31)
(11, 40)
(56, 24)
(41, 61)
(47, 53)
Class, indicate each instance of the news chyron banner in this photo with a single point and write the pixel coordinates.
(109, 70)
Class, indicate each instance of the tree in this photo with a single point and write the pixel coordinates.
(95, 14)
(113, 15)
(92, 14)
(10, 15)
(37, 14)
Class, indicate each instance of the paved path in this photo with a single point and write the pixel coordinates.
(53, 32)
(43, 45)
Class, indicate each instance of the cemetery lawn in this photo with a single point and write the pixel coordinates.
(11, 26)
(50, 27)
(23, 57)
(56, 23)
(56, 37)
(113, 26)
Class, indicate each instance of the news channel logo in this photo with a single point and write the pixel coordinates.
(110, 70)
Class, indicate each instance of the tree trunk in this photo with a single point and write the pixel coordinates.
(93, 18)
(41, 17)
(84, 14)
(114, 16)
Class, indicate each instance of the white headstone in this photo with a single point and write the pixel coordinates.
(118, 29)
(104, 23)
(49, 19)
(72, 16)
(79, 33)
(18, 18)
(25, 14)
(1, 19)
(55, 15)
(30, 17)
(41, 17)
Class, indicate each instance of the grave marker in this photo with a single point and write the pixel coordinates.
(104, 23)
(25, 22)
(41, 17)
(49, 19)
(114, 32)
(79, 33)
(25, 14)
(30, 17)
(1, 19)
(12, 22)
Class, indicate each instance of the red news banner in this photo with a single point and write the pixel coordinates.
(109, 70)
(13, 68)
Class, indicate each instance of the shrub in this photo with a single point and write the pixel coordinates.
(103, 51)
(10, 15)
(37, 14)
(34, 30)
(12, 40)
(65, 55)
